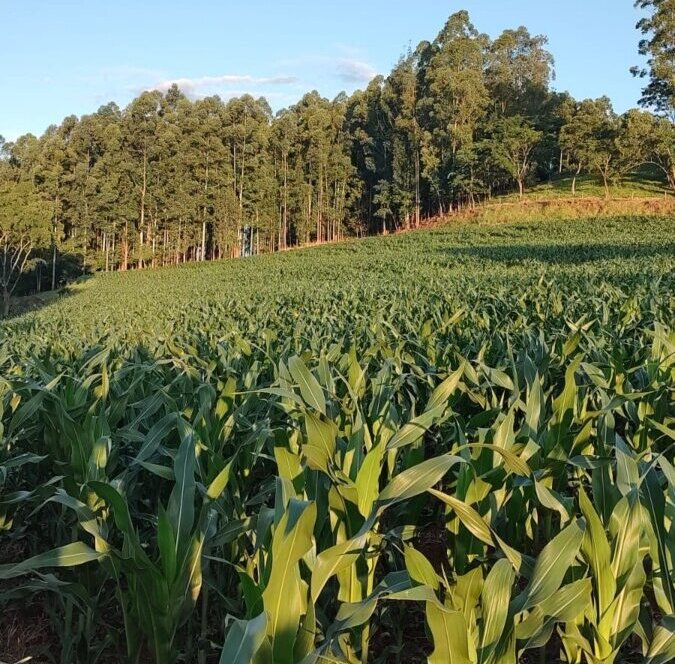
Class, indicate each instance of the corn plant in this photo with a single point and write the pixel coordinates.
(453, 446)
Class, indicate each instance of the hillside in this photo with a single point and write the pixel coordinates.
(323, 451)
(459, 261)
(644, 182)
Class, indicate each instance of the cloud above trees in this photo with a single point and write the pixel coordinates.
(197, 86)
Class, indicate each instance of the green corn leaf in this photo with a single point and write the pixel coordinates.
(414, 430)
(513, 462)
(310, 389)
(595, 549)
(244, 639)
(662, 647)
(282, 596)
(564, 606)
(417, 480)
(166, 544)
(119, 506)
(495, 607)
(625, 528)
(465, 593)
(440, 396)
(419, 568)
(338, 557)
(553, 501)
(220, 482)
(653, 498)
(70, 555)
(566, 400)
(368, 479)
(155, 436)
(321, 435)
(551, 566)
(622, 615)
(473, 521)
(450, 635)
(181, 507)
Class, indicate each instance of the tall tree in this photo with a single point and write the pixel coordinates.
(141, 127)
(400, 96)
(661, 148)
(658, 46)
(591, 138)
(24, 225)
(454, 102)
(519, 72)
(169, 179)
(512, 144)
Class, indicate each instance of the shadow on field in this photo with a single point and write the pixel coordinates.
(564, 254)
(25, 304)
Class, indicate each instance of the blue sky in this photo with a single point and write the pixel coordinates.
(59, 57)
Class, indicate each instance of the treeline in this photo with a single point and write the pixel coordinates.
(168, 179)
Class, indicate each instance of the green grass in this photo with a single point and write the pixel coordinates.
(457, 440)
(647, 182)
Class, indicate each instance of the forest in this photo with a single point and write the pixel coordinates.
(459, 119)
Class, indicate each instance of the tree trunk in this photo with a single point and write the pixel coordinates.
(125, 247)
(142, 215)
(285, 221)
(417, 188)
(55, 223)
(5, 301)
(54, 267)
(521, 188)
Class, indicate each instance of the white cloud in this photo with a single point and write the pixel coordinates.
(351, 70)
(202, 84)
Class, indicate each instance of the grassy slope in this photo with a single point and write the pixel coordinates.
(645, 183)
(461, 261)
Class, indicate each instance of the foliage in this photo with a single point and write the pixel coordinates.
(308, 457)
(24, 222)
(658, 29)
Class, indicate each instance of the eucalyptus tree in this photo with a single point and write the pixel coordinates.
(246, 133)
(657, 45)
(455, 100)
(24, 226)
(369, 131)
(323, 167)
(284, 135)
(519, 72)
(141, 126)
(51, 171)
(512, 144)
(314, 145)
(401, 96)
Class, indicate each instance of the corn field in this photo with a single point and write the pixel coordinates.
(452, 446)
